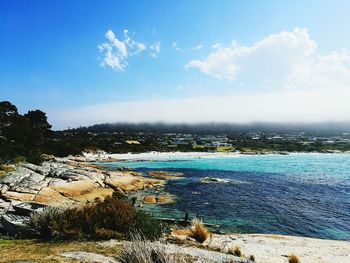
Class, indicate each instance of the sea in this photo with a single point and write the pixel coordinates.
(304, 194)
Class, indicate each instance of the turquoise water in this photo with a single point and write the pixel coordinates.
(298, 194)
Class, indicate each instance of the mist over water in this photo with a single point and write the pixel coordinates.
(299, 194)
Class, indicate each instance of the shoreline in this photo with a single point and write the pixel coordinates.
(265, 247)
(178, 155)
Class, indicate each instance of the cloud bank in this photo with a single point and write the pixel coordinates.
(281, 78)
(283, 106)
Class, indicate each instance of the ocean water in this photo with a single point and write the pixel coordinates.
(297, 194)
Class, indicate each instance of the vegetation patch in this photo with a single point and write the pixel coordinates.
(142, 251)
(111, 218)
(5, 169)
(198, 231)
(293, 259)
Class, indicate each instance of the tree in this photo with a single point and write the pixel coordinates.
(38, 120)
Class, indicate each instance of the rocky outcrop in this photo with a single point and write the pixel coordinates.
(83, 256)
(149, 199)
(166, 175)
(66, 182)
(126, 181)
(159, 199)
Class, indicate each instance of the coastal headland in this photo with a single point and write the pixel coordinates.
(77, 180)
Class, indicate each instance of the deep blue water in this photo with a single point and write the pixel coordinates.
(299, 194)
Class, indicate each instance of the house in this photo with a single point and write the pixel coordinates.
(132, 142)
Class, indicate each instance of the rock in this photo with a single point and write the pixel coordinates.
(43, 169)
(165, 199)
(15, 177)
(75, 188)
(4, 206)
(4, 188)
(176, 253)
(51, 197)
(208, 179)
(150, 199)
(11, 195)
(73, 175)
(99, 192)
(166, 175)
(128, 182)
(31, 184)
(83, 256)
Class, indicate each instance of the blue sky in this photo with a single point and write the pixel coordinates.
(50, 59)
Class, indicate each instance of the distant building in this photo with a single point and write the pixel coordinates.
(132, 142)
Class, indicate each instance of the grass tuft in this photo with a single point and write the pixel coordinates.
(144, 251)
(293, 259)
(198, 231)
(252, 258)
(236, 251)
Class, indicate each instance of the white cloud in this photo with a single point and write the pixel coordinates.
(216, 45)
(287, 60)
(199, 46)
(116, 51)
(300, 106)
(155, 48)
(175, 46)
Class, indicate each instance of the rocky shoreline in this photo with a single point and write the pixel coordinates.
(66, 182)
(75, 181)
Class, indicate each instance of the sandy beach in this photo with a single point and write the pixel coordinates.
(157, 156)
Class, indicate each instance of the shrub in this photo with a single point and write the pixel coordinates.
(119, 195)
(41, 222)
(20, 159)
(108, 219)
(293, 259)
(146, 224)
(5, 169)
(111, 218)
(198, 231)
(252, 258)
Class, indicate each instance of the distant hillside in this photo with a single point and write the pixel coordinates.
(320, 129)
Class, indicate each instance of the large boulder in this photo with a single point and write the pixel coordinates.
(128, 182)
(15, 177)
(51, 197)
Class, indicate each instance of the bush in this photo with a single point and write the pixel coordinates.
(111, 218)
(252, 258)
(146, 224)
(20, 159)
(119, 195)
(198, 231)
(41, 222)
(293, 259)
(103, 220)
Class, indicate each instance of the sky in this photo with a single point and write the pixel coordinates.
(88, 62)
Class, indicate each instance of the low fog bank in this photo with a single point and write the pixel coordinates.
(326, 128)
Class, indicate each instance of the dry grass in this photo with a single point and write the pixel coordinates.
(252, 258)
(5, 169)
(181, 232)
(44, 252)
(143, 251)
(236, 251)
(198, 231)
(293, 259)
